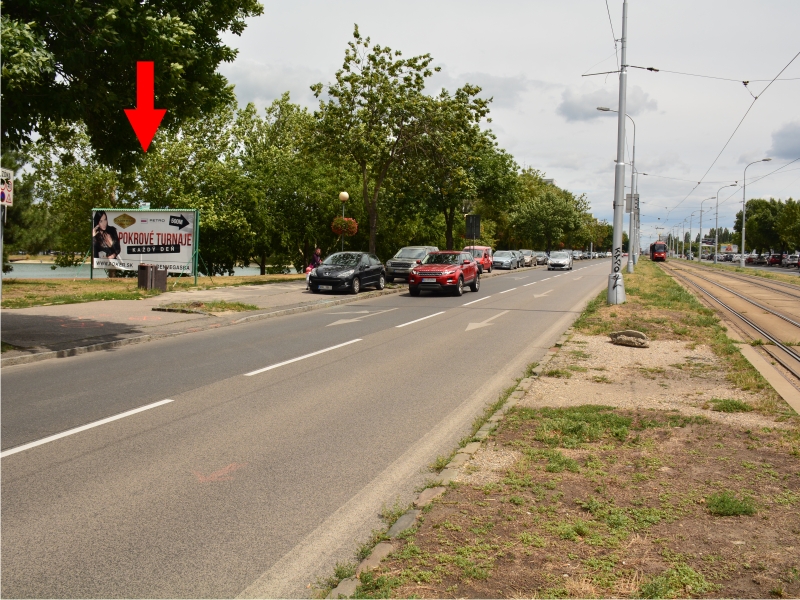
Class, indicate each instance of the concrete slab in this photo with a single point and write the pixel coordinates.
(407, 521)
(428, 495)
(378, 553)
(470, 448)
(345, 589)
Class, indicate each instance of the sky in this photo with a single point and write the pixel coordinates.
(529, 56)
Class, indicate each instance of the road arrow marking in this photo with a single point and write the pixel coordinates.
(485, 323)
(526, 276)
(144, 118)
(541, 295)
(576, 279)
(222, 475)
(358, 319)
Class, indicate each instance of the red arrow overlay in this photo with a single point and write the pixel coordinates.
(224, 474)
(144, 118)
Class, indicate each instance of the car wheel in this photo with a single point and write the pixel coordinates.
(490, 268)
(356, 285)
(389, 279)
(413, 290)
(381, 283)
(476, 283)
(459, 289)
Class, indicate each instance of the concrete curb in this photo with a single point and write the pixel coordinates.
(40, 356)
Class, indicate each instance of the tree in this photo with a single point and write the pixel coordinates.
(761, 231)
(371, 117)
(70, 62)
(788, 225)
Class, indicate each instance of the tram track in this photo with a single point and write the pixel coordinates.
(781, 353)
(787, 289)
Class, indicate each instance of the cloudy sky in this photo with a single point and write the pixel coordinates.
(530, 57)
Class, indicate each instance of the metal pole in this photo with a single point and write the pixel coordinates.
(744, 207)
(631, 237)
(342, 229)
(616, 286)
(683, 238)
(716, 222)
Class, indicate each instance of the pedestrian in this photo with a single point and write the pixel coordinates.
(316, 260)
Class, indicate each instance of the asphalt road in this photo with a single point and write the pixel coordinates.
(262, 471)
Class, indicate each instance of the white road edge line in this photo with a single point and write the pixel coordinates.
(291, 360)
(422, 319)
(511, 290)
(474, 301)
(58, 436)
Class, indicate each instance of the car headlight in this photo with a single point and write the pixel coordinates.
(414, 272)
(347, 273)
(448, 272)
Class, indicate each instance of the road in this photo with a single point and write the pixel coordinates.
(262, 466)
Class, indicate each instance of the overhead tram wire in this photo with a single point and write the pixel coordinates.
(613, 35)
(734, 131)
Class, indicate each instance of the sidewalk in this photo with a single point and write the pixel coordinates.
(45, 332)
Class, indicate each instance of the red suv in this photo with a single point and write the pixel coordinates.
(483, 256)
(445, 271)
(774, 259)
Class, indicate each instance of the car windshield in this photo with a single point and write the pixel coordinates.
(502, 254)
(344, 259)
(538, 253)
(527, 252)
(410, 253)
(477, 252)
(438, 258)
(559, 255)
(660, 248)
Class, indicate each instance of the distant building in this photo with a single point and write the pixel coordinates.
(550, 181)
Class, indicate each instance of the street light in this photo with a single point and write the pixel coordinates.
(700, 252)
(343, 198)
(690, 228)
(716, 222)
(633, 170)
(744, 207)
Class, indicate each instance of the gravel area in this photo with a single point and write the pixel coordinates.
(669, 375)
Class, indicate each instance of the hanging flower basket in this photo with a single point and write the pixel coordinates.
(344, 226)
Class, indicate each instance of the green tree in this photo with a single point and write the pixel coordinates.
(788, 225)
(69, 62)
(371, 119)
(762, 219)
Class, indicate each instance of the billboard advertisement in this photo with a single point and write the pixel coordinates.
(124, 239)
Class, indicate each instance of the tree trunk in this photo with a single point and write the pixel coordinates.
(263, 264)
(449, 215)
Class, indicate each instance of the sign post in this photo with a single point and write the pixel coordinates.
(125, 239)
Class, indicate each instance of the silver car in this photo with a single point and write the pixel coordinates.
(560, 260)
(400, 264)
(541, 257)
(505, 259)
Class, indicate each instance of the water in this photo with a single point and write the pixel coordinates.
(44, 271)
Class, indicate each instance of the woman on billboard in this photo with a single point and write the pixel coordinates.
(105, 240)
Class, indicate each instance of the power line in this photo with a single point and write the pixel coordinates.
(608, 10)
(749, 108)
(744, 81)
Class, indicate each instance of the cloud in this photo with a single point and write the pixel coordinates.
(507, 92)
(786, 141)
(575, 106)
(261, 83)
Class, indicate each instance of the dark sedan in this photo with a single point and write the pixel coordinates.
(348, 272)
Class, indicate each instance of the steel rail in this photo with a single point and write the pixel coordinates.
(792, 369)
(756, 279)
(746, 299)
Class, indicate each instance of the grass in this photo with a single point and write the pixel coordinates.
(679, 582)
(212, 306)
(727, 504)
(729, 405)
(560, 373)
(6, 346)
(24, 293)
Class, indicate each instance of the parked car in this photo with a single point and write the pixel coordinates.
(400, 264)
(483, 256)
(774, 259)
(520, 258)
(560, 260)
(348, 271)
(576, 255)
(527, 257)
(790, 260)
(760, 260)
(505, 259)
(541, 257)
(608, 254)
(445, 271)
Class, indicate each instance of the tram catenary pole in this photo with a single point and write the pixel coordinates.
(616, 286)
(716, 221)
(744, 207)
(700, 249)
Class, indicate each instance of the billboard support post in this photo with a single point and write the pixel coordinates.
(197, 243)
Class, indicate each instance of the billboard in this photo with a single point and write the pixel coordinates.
(6, 187)
(124, 239)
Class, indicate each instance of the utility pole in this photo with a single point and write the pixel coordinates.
(744, 207)
(716, 222)
(616, 286)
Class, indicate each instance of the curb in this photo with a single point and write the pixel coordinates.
(40, 356)
(347, 587)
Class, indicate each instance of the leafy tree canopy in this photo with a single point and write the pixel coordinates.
(71, 61)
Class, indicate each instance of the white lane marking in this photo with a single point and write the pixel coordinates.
(422, 319)
(358, 319)
(545, 279)
(505, 291)
(474, 301)
(485, 323)
(286, 362)
(58, 436)
(531, 283)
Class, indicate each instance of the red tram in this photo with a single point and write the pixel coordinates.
(658, 251)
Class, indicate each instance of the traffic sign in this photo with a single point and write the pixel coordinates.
(6, 187)
(628, 202)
